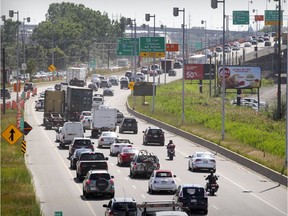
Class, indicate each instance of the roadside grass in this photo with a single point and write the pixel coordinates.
(17, 192)
(247, 132)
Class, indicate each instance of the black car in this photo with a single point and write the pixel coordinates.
(105, 84)
(57, 86)
(153, 135)
(129, 75)
(121, 206)
(7, 93)
(93, 86)
(172, 72)
(124, 84)
(108, 92)
(128, 124)
(29, 86)
(192, 197)
(75, 157)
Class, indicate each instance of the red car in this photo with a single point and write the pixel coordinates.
(126, 156)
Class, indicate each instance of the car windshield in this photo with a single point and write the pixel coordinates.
(122, 141)
(82, 142)
(92, 156)
(96, 176)
(164, 174)
(78, 153)
(129, 150)
(146, 158)
(155, 131)
(193, 191)
(119, 206)
(130, 121)
(202, 155)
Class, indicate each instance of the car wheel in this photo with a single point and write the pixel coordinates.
(189, 168)
(205, 212)
(86, 195)
(112, 195)
(135, 132)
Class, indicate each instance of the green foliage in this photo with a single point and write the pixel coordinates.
(243, 125)
(17, 193)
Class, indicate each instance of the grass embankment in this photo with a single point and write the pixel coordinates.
(247, 132)
(17, 192)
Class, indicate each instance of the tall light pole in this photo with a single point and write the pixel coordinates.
(249, 2)
(205, 37)
(176, 13)
(165, 62)
(214, 5)
(11, 14)
(147, 18)
(130, 22)
(24, 52)
(255, 10)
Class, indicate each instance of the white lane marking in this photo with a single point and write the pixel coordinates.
(143, 196)
(284, 213)
(215, 207)
(134, 187)
(57, 153)
(118, 170)
(126, 178)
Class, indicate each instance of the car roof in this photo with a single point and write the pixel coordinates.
(191, 185)
(99, 171)
(123, 199)
(82, 138)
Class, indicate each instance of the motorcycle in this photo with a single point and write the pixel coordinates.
(171, 151)
(212, 188)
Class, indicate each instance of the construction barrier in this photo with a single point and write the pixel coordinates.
(8, 105)
(14, 105)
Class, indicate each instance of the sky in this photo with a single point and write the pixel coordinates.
(195, 11)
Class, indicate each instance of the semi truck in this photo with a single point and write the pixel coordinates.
(78, 99)
(169, 65)
(76, 76)
(54, 109)
(103, 119)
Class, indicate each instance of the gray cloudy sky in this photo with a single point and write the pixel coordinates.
(196, 10)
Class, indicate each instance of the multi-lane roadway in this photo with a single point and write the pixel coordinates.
(241, 192)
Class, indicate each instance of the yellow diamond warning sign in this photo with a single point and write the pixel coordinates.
(11, 134)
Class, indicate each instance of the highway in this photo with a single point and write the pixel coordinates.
(241, 192)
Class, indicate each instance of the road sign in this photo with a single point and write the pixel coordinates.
(240, 17)
(259, 17)
(272, 17)
(51, 68)
(152, 54)
(172, 47)
(131, 85)
(23, 147)
(11, 134)
(27, 128)
(154, 45)
(58, 213)
(126, 46)
(24, 66)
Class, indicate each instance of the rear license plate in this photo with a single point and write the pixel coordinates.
(155, 136)
(193, 200)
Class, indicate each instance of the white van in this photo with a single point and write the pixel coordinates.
(69, 131)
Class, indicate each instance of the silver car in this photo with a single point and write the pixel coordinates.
(107, 138)
(202, 160)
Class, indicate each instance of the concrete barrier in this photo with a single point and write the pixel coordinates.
(256, 167)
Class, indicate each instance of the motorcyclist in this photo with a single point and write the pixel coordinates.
(170, 145)
(212, 179)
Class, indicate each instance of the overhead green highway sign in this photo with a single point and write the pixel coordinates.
(240, 17)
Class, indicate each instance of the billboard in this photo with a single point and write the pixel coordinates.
(143, 89)
(199, 71)
(241, 77)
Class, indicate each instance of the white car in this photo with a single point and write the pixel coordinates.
(162, 180)
(107, 138)
(86, 121)
(97, 101)
(202, 160)
(84, 113)
(118, 145)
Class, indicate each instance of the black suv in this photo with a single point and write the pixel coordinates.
(124, 84)
(192, 197)
(29, 86)
(128, 124)
(121, 206)
(153, 135)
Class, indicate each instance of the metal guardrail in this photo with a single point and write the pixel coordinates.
(256, 167)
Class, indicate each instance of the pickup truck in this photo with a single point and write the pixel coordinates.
(90, 161)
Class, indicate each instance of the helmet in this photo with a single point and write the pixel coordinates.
(212, 171)
(170, 141)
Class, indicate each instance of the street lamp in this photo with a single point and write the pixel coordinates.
(11, 14)
(23, 39)
(249, 2)
(214, 5)
(148, 30)
(130, 22)
(165, 62)
(147, 18)
(176, 13)
(255, 10)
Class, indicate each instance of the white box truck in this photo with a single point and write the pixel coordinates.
(104, 119)
(76, 76)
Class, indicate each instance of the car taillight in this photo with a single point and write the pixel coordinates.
(135, 165)
(102, 139)
(111, 181)
(158, 165)
(197, 160)
(110, 213)
(88, 182)
(213, 161)
(116, 145)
